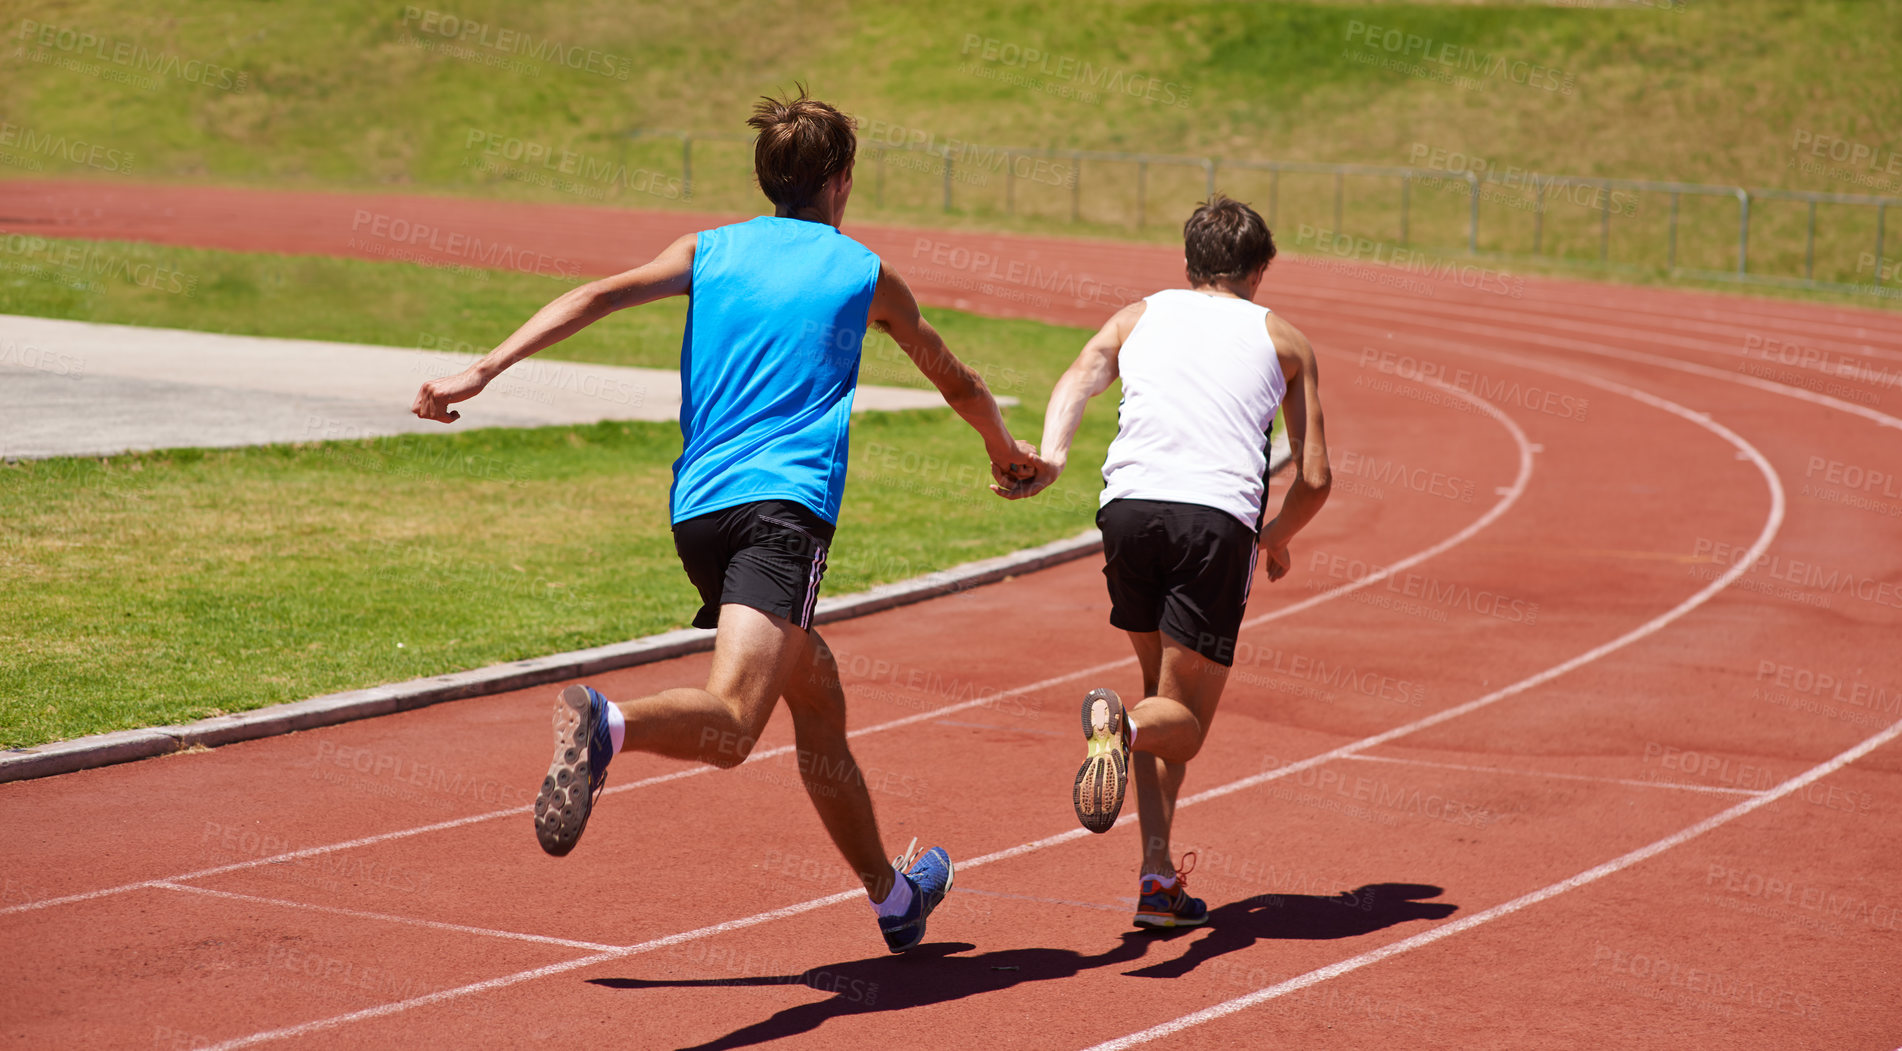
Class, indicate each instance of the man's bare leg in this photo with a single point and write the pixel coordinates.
(755, 656)
(1182, 689)
(756, 659)
(832, 776)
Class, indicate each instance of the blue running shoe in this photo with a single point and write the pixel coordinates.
(580, 768)
(1159, 905)
(1104, 775)
(930, 879)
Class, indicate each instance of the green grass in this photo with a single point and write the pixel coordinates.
(148, 589)
(367, 93)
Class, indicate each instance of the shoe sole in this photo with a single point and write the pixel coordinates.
(1104, 776)
(561, 810)
(1166, 919)
(950, 877)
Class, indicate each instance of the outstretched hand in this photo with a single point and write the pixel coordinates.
(433, 400)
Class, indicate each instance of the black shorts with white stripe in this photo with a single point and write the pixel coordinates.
(1183, 569)
(769, 554)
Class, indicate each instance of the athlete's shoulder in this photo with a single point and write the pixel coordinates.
(1286, 337)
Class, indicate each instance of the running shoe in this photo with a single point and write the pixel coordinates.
(930, 879)
(580, 768)
(1160, 905)
(1104, 776)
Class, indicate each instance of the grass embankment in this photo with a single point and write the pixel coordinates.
(485, 97)
(155, 588)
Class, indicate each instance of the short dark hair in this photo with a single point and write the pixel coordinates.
(802, 143)
(1225, 239)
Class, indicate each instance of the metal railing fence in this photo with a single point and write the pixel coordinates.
(955, 162)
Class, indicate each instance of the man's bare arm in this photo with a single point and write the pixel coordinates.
(669, 274)
(1307, 440)
(1089, 375)
(895, 312)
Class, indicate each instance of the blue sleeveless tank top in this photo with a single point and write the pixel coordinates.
(768, 365)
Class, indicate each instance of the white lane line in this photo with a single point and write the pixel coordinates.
(1509, 497)
(386, 917)
(519, 977)
(1565, 777)
(1447, 930)
(1771, 525)
(1499, 332)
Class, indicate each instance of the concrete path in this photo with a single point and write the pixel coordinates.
(74, 388)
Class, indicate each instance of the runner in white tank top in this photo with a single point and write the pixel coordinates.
(1184, 493)
(1200, 386)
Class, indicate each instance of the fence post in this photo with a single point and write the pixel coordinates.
(1671, 259)
(1142, 175)
(1538, 215)
(686, 167)
(1339, 184)
(878, 187)
(1208, 177)
(1743, 231)
(1076, 186)
(947, 178)
(1882, 212)
(1406, 184)
(1274, 193)
(1809, 248)
(1472, 221)
(1604, 226)
(1010, 184)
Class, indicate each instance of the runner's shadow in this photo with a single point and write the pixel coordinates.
(929, 974)
(1304, 917)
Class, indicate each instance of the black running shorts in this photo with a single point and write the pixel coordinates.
(770, 555)
(1183, 569)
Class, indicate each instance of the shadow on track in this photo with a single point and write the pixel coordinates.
(938, 972)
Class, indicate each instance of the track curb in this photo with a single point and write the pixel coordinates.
(122, 746)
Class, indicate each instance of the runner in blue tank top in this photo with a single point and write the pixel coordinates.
(777, 311)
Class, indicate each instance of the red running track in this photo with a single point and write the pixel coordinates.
(1573, 727)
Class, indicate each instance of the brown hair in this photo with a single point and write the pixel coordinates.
(802, 143)
(1225, 239)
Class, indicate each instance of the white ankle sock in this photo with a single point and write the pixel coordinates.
(1165, 882)
(1131, 723)
(898, 900)
(617, 727)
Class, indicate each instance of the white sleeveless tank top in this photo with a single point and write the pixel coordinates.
(1201, 384)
